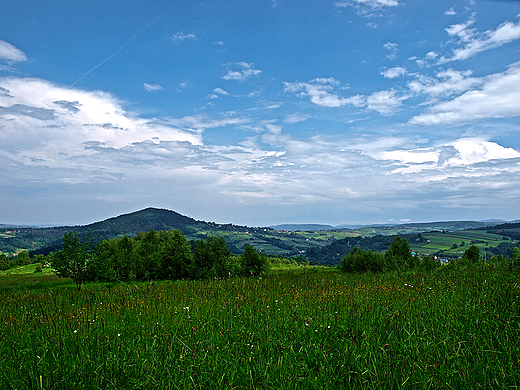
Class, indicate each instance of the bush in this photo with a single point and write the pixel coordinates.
(359, 260)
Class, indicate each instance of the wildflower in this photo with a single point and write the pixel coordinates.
(75, 331)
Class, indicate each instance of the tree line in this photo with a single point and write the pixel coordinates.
(155, 255)
(399, 258)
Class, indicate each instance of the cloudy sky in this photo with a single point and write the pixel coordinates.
(260, 112)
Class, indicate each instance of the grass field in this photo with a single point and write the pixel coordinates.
(308, 328)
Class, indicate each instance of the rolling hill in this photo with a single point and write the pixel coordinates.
(316, 242)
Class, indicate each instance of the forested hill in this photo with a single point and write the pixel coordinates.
(45, 240)
(144, 221)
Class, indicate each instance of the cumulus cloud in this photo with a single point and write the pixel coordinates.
(241, 71)
(393, 73)
(63, 127)
(11, 54)
(321, 92)
(217, 92)
(472, 42)
(497, 97)
(152, 87)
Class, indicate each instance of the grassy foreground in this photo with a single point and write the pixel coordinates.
(308, 329)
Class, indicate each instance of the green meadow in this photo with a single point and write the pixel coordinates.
(302, 327)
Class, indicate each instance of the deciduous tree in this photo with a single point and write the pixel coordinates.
(75, 259)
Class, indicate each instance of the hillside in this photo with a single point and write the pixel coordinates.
(322, 246)
(492, 240)
(45, 240)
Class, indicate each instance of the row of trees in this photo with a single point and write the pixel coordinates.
(399, 258)
(22, 258)
(152, 256)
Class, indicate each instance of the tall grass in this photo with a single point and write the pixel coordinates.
(292, 329)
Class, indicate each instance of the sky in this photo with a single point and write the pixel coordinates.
(260, 112)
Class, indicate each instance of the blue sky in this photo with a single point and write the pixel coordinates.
(260, 112)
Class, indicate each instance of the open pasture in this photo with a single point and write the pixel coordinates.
(309, 328)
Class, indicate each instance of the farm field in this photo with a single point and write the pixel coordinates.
(444, 242)
(309, 328)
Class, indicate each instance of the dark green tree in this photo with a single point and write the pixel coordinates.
(4, 262)
(399, 255)
(428, 263)
(74, 261)
(23, 258)
(252, 262)
(472, 255)
(148, 254)
(359, 260)
(176, 256)
(115, 260)
(212, 258)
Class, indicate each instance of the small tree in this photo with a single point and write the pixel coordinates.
(75, 259)
(399, 255)
(472, 255)
(252, 262)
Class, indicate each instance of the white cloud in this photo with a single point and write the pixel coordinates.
(445, 83)
(43, 124)
(152, 87)
(321, 92)
(244, 71)
(450, 12)
(392, 49)
(296, 118)
(11, 54)
(384, 102)
(220, 91)
(393, 73)
(368, 8)
(374, 4)
(217, 92)
(180, 36)
(497, 97)
(474, 43)
(476, 151)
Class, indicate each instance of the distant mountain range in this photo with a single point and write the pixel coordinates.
(445, 225)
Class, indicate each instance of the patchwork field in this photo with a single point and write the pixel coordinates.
(462, 240)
